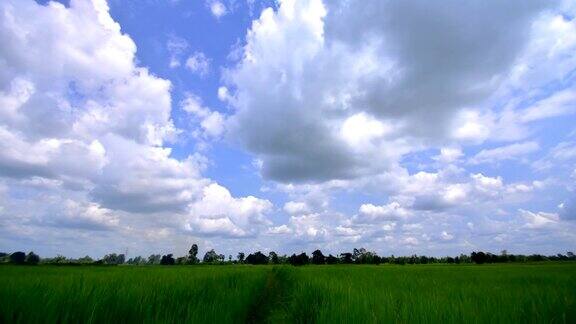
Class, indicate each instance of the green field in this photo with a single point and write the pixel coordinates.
(509, 293)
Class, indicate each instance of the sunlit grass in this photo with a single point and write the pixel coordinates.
(128, 294)
(432, 294)
(510, 293)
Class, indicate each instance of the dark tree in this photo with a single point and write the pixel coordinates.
(114, 258)
(331, 259)
(346, 258)
(257, 258)
(478, 257)
(273, 257)
(136, 260)
(211, 257)
(18, 257)
(167, 259)
(32, 258)
(154, 259)
(240, 257)
(193, 254)
(318, 257)
(298, 260)
(85, 259)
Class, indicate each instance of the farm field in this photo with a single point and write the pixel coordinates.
(509, 293)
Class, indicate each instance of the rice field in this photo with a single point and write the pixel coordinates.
(504, 293)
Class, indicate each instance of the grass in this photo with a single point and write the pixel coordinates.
(510, 293)
(543, 293)
(128, 294)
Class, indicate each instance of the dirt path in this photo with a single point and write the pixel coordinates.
(272, 298)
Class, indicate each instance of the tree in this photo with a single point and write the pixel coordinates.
(257, 258)
(318, 257)
(192, 254)
(136, 260)
(330, 259)
(154, 259)
(346, 258)
(59, 259)
(211, 257)
(114, 258)
(298, 260)
(32, 258)
(18, 257)
(240, 257)
(86, 259)
(167, 259)
(273, 257)
(478, 257)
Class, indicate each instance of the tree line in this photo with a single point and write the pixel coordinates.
(357, 256)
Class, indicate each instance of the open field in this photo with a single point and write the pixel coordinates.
(509, 293)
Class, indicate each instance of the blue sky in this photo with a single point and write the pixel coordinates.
(399, 126)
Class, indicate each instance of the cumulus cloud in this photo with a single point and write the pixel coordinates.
(84, 133)
(218, 213)
(211, 123)
(295, 208)
(370, 213)
(356, 86)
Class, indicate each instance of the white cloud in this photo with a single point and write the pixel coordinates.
(508, 152)
(449, 155)
(223, 94)
(369, 213)
(309, 228)
(446, 236)
(217, 8)
(84, 138)
(538, 220)
(210, 122)
(355, 87)
(218, 213)
(558, 104)
(563, 154)
(295, 208)
(198, 63)
(282, 229)
(176, 47)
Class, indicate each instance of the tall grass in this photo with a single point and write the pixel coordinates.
(431, 294)
(510, 293)
(200, 294)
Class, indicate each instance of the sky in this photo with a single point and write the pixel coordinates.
(404, 127)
